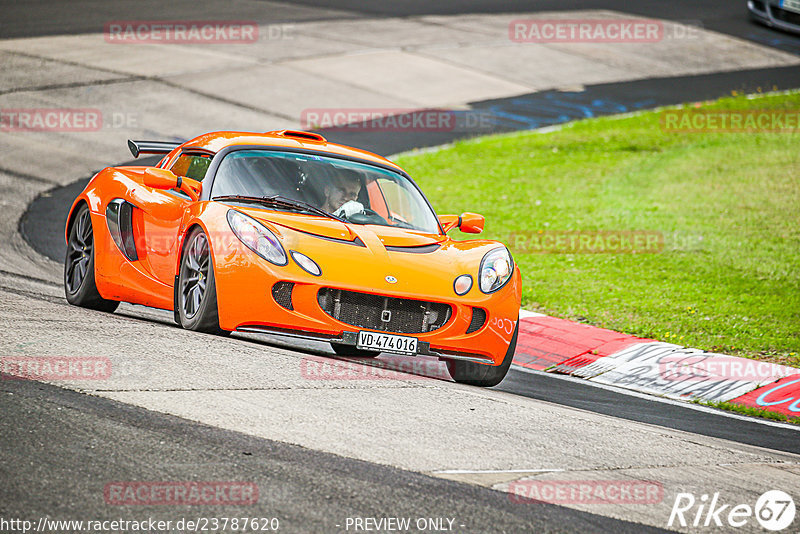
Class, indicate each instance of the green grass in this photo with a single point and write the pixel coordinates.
(728, 205)
(753, 412)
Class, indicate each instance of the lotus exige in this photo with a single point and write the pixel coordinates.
(284, 232)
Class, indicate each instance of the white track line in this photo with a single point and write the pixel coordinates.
(493, 471)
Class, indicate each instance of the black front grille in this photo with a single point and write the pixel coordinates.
(377, 312)
(786, 16)
(759, 6)
(478, 319)
(282, 293)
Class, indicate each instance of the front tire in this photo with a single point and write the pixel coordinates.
(79, 282)
(196, 301)
(478, 374)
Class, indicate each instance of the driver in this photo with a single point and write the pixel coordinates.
(341, 193)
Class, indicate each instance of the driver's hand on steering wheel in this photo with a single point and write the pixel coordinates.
(349, 208)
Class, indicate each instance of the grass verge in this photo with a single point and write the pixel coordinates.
(727, 206)
(753, 412)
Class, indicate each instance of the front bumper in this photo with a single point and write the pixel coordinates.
(775, 16)
(350, 338)
(247, 303)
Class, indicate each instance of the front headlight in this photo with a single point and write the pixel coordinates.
(462, 284)
(257, 237)
(496, 269)
(307, 264)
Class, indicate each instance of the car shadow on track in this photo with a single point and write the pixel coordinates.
(319, 362)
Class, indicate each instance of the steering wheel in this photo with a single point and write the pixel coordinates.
(367, 216)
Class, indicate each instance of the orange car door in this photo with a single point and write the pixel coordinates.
(161, 218)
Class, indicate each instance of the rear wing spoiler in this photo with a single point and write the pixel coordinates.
(151, 147)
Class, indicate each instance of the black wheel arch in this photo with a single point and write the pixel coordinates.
(73, 214)
(175, 303)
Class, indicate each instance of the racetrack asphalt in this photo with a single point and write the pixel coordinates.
(60, 449)
(58, 18)
(43, 222)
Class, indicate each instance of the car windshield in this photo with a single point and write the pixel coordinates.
(354, 192)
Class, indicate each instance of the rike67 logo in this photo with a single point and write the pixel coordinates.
(774, 510)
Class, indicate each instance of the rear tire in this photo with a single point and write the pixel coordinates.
(79, 282)
(478, 374)
(349, 350)
(196, 297)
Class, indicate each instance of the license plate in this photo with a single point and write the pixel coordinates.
(791, 5)
(387, 342)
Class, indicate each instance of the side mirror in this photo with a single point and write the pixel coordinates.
(469, 223)
(160, 178)
(165, 179)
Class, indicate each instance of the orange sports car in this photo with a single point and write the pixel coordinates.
(286, 233)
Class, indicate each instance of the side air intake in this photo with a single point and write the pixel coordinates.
(282, 293)
(478, 320)
(119, 219)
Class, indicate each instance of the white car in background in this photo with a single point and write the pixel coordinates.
(781, 14)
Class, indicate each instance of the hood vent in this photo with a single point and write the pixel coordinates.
(301, 135)
(417, 249)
